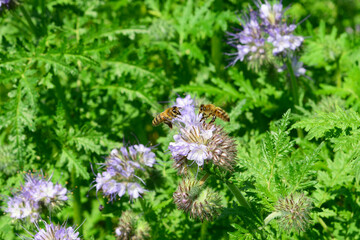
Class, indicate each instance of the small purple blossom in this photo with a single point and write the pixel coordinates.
(122, 171)
(36, 195)
(265, 33)
(4, 3)
(55, 232)
(199, 142)
(7, 4)
(297, 67)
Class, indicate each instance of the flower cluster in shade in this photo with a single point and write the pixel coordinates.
(6, 4)
(132, 226)
(36, 196)
(122, 170)
(265, 34)
(55, 232)
(199, 201)
(199, 142)
(294, 212)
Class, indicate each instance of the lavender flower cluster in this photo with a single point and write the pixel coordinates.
(199, 142)
(6, 4)
(36, 196)
(265, 34)
(56, 232)
(120, 168)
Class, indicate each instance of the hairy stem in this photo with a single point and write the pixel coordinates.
(143, 206)
(294, 90)
(203, 179)
(271, 217)
(203, 232)
(76, 199)
(238, 195)
(293, 82)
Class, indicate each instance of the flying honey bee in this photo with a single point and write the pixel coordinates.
(208, 110)
(166, 116)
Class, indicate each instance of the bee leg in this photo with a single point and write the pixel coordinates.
(212, 120)
(169, 124)
(203, 118)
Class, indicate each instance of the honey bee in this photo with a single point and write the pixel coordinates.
(166, 116)
(208, 110)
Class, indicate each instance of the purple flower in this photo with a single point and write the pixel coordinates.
(297, 67)
(36, 194)
(122, 172)
(270, 15)
(265, 34)
(4, 3)
(199, 142)
(55, 232)
(250, 42)
(7, 4)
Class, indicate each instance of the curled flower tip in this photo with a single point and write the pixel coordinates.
(55, 232)
(36, 196)
(293, 212)
(132, 227)
(198, 142)
(124, 169)
(199, 201)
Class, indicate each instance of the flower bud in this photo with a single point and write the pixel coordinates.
(132, 227)
(294, 212)
(201, 202)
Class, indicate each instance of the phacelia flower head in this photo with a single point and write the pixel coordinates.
(133, 227)
(198, 142)
(36, 196)
(55, 232)
(265, 33)
(123, 169)
(6, 5)
(199, 201)
(293, 212)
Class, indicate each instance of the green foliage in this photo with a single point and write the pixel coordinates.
(79, 78)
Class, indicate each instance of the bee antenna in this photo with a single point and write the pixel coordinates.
(135, 137)
(92, 169)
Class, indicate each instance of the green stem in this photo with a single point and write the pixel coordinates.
(294, 90)
(76, 199)
(142, 203)
(203, 232)
(28, 19)
(338, 74)
(238, 195)
(203, 179)
(293, 82)
(271, 217)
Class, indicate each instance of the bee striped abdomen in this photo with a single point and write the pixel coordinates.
(157, 120)
(166, 116)
(222, 114)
